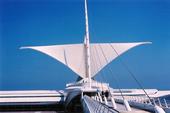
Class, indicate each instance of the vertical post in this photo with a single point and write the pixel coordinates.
(100, 98)
(113, 102)
(82, 95)
(87, 47)
(159, 102)
(127, 106)
(105, 100)
(158, 109)
(166, 105)
(154, 103)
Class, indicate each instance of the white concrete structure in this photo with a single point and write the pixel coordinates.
(86, 60)
(34, 96)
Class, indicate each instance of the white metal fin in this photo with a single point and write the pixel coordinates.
(73, 55)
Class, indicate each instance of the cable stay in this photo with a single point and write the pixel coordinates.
(112, 100)
(130, 73)
(124, 100)
(116, 81)
(96, 65)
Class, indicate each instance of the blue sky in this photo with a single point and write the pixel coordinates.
(47, 22)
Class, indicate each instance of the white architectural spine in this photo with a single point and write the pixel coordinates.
(87, 47)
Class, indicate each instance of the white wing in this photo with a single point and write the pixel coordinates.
(104, 53)
(70, 55)
(73, 56)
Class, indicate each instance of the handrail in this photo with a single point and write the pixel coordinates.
(161, 102)
(92, 106)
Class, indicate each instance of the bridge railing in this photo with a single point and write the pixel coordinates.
(162, 102)
(92, 106)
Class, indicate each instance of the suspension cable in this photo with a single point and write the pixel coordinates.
(112, 72)
(102, 73)
(130, 72)
(97, 67)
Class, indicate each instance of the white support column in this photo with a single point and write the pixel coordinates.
(128, 108)
(159, 102)
(166, 105)
(113, 103)
(82, 95)
(153, 101)
(158, 109)
(100, 98)
(105, 100)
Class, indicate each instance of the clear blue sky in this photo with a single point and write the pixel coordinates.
(47, 22)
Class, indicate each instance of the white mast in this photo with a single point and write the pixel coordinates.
(87, 48)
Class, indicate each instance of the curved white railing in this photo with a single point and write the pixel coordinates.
(92, 106)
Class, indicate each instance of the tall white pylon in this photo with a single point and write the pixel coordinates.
(87, 47)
